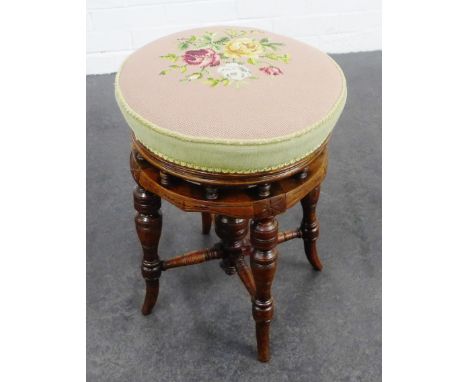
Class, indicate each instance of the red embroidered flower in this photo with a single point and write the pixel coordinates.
(202, 57)
(271, 70)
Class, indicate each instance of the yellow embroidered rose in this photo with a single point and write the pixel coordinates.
(244, 46)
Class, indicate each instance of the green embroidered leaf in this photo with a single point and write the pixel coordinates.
(195, 76)
(272, 56)
(183, 69)
(207, 38)
(231, 32)
(212, 81)
(163, 72)
(187, 42)
(221, 41)
(252, 61)
(278, 57)
(184, 45)
(286, 58)
(271, 45)
(171, 57)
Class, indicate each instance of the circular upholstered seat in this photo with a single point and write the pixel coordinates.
(230, 99)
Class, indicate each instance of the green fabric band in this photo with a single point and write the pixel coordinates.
(229, 155)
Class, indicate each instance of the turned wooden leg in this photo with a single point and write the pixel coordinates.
(206, 222)
(263, 237)
(245, 274)
(232, 232)
(310, 227)
(148, 221)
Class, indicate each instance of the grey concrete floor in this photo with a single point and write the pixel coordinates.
(327, 326)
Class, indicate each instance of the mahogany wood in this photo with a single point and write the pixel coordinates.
(165, 178)
(232, 232)
(263, 237)
(206, 222)
(302, 174)
(245, 274)
(289, 235)
(211, 193)
(233, 199)
(310, 227)
(148, 221)
(191, 258)
(264, 190)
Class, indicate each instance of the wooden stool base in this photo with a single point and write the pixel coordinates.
(233, 201)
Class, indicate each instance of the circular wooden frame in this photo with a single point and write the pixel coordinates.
(240, 201)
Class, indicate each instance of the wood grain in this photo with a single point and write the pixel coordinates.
(263, 237)
(239, 202)
(234, 200)
(148, 222)
(310, 227)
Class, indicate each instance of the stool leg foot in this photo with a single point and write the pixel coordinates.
(151, 296)
(310, 228)
(206, 223)
(263, 237)
(148, 222)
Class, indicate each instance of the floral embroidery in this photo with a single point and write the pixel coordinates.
(202, 57)
(234, 71)
(230, 58)
(271, 70)
(239, 47)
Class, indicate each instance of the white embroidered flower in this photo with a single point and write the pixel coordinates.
(234, 71)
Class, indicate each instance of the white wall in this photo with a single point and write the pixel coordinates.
(117, 27)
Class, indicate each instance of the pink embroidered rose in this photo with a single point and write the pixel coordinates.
(271, 70)
(201, 57)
